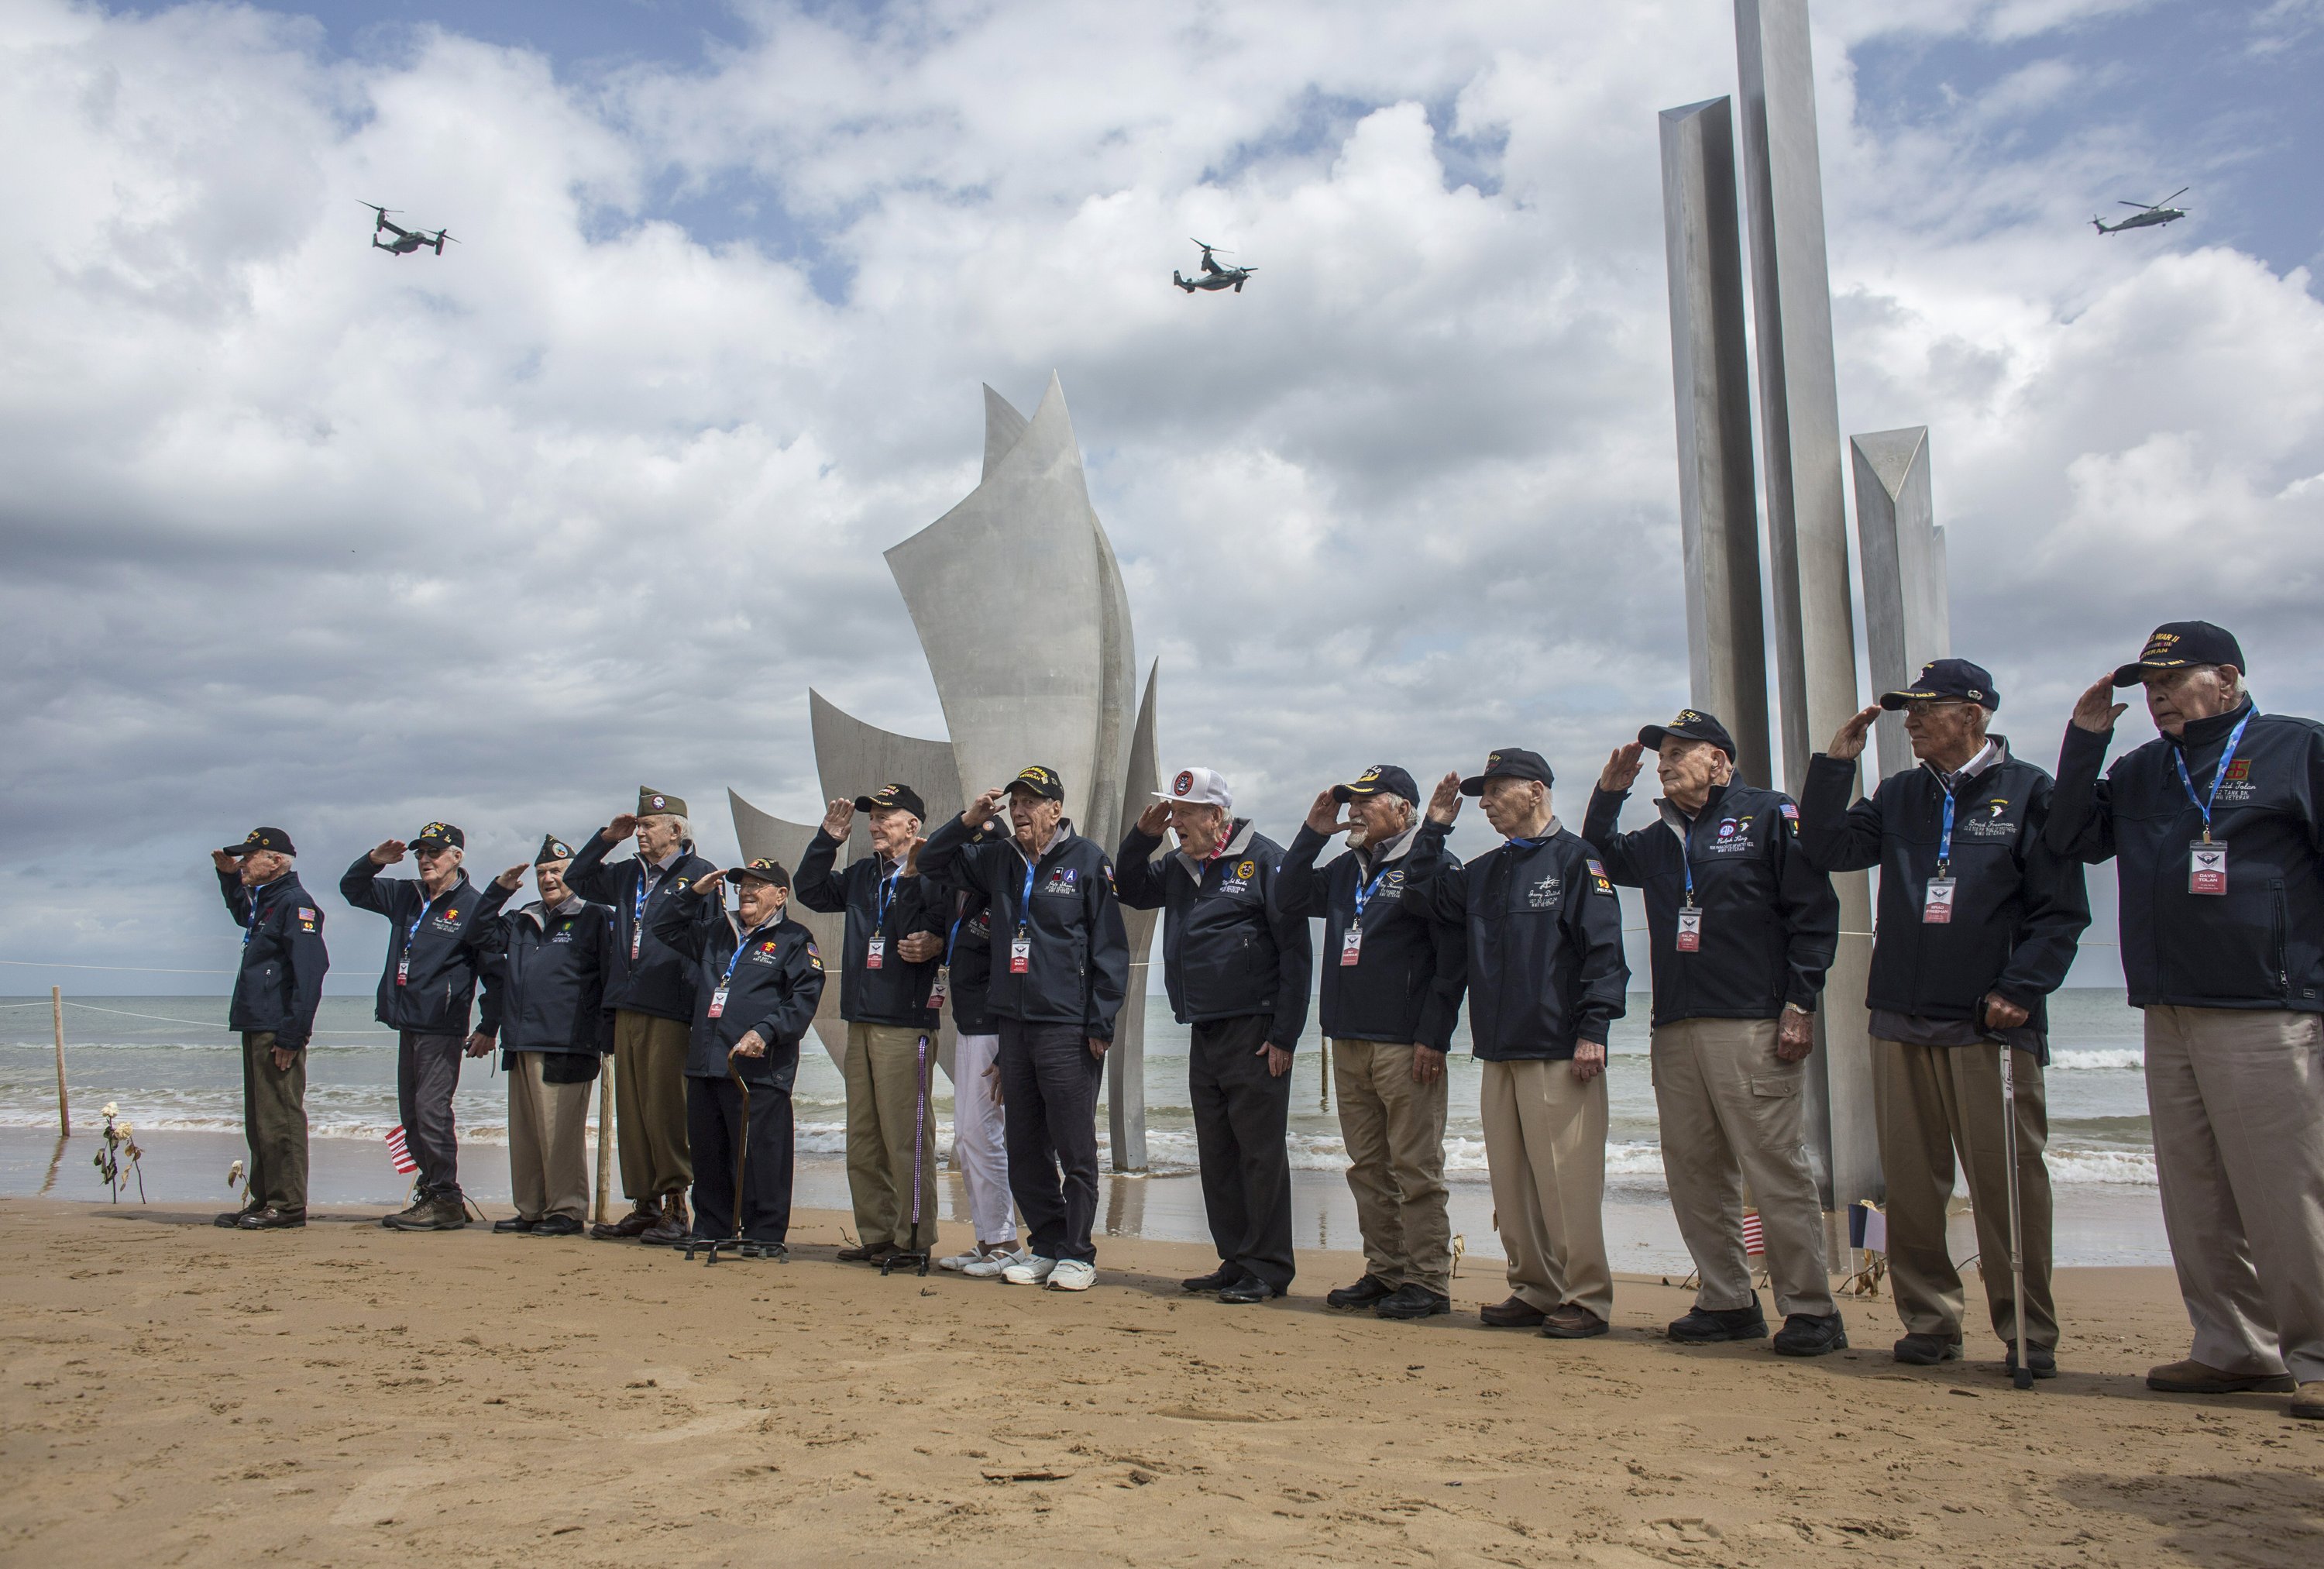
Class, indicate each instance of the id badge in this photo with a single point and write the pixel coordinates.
(718, 1003)
(1020, 955)
(2207, 867)
(1690, 931)
(637, 935)
(403, 970)
(1939, 909)
(875, 954)
(1351, 944)
(940, 987)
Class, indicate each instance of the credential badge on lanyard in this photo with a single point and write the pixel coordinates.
(1020, 946)
(1689, 915)
(647, 878)
(403, 960)
(1351, 941)
(1937, 909)
(883, 899)
(2207, 858)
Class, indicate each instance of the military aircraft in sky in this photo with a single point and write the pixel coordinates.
(2150, 214)
(406, 241)
(1212, 275)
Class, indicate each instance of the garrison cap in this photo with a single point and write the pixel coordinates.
(2178, 645)
(1041, 781)
(440, 837)
(1691, 724)
(1508, 762)
(1382, 778)
(652, 803)
(890, 797)
(553, 848)
(1945, 680)
(258, 839)
(765, 869)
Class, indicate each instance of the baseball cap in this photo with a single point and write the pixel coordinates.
(894, 798)
(765, 869)
(653, 803)
(1947, 679)
(1382, 778)
(1691, 724)
(1041, 781)
(2178, 645)
(258, 839)
(1508, 762)
(552, 848)
(440, 837)
(1200, 786)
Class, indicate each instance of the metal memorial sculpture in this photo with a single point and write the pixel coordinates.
(1020, 610)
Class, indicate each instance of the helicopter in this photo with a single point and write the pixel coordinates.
(1212, 275)
(2149, 215)
(406, 241)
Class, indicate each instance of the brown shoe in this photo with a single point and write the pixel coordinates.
(877, 1253)
(2309, 1400)
(2193, 1378)
(1514, 1314)
(671, 1228)
(635, 1223)
(1571, 1320)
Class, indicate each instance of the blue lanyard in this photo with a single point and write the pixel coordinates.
(1945, 838)
(1686, 860)
(2204, 804)
(1024, 900)
(251, 930)
(649, 878)
(1364, 891)
(413, 931)
(883, 898)
(740, 943)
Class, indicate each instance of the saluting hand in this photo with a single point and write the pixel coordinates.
(388, 852)
(984, 807)
(1621, 770)
(712, 885)
(1324, 816)
(837, 817)
(620, 828)
(224, 861)
(1154, 819)
(512, 879)
(1848, 743)
(912, 857)
(2096, 709)
(1444, 804)
(752, 1044)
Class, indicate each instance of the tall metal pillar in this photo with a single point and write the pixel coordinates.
(1907, 605)
(1710, 375)
(1807, 526)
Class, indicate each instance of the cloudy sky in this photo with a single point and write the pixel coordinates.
(294, 531)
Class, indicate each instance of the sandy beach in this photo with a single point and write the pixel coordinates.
(181, 1394)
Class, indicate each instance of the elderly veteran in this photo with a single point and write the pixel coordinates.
(1392, 984)
(886, 967)
(1236, 968)
(1547, 981)
(980, 1147)
(650, 989)
(1977, 925)
(758, 979)
(425, 993)
(277, 987)
(1061, 963)
(1743, 927)
(544, 974)
(2217, 828)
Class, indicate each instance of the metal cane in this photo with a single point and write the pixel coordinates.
(2024, 1376)
(919, 1134)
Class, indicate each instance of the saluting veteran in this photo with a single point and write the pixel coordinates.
(1743, 927)
(277, 987)
(1392, 984)
(1977, 923)
(544, 974)
(1547, 981)
(2217, 830)
(650, 990)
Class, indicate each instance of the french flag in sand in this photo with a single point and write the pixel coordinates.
(1755, 1235)
(399, 1154)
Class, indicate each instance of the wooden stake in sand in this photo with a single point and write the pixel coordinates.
(64, 1110)
(605, 1135)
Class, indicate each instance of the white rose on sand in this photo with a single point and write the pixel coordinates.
(111, 1110)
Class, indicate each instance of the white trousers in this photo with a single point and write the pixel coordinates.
(980, 1152)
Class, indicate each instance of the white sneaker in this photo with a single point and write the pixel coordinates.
(958, 1263)
(1029, 1270)
(985, 1266)
(1072, 1275)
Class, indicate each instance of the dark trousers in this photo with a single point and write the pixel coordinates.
(274, 1121)
(1048, 1087)
(427, 1073)
(720, 1136)
(1243, 1114)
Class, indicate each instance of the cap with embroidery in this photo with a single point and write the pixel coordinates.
(553, 848)
(1382, 778)
(1947, 680)
(1198, 786)
(890, 798)
(440, 837)
(1041, 781)
(652, 803)
(1691, 724)
(258, 839)
(2178, 645)
(1508, 762)
(762, 869)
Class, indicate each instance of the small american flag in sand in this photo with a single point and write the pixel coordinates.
(399, 1154)
(1755, 1236)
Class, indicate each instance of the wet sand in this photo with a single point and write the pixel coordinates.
(178, 1394)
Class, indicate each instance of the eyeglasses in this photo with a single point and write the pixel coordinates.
(1922, 707)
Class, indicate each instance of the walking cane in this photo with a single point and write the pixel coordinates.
(2024, 1376)
(920, 1135)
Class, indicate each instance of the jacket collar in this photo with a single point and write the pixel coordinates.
(2200, 733)
(1238, 841)
(1992, 755)
(540, 913)
(1678, 822)
(1062, 836)
(1396, 849)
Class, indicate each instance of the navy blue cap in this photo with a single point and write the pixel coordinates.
(1944, 681)
(2178, 645)
(1691, 724)
(890, 797)
(1508, 762)
(440, 837)
(1382, 778)
(273, 839)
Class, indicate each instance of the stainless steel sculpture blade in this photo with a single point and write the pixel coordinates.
(1907, 605)
(1002, 426)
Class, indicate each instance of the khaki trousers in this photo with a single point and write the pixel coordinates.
(1929, 1101)
(2237, 1099)
(274, 1124)
(891, 1135)
(1395, 1132)
(548, 1158)
(1732, 1114)
(1545, 1144)
(650, 1090)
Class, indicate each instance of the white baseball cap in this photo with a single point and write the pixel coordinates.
(1201, 787)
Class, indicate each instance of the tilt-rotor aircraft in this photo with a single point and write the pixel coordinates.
(2150, 214)
(406, 241)
(1212, 275)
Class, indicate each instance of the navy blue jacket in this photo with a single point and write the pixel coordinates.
(439, 937)
(544, 976)
(1410, 970)
(2261, 944)
(771, 987)
(1228, 950)
(895, 993)
(1079, 965)
(659, 981)
(279, 982)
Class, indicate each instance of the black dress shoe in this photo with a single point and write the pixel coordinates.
(879, 1252)
(634, 1223)
(270, 1220)
(1809, 1335)
(1926, 1351)
(2039, 1358)
(1249, 1288)
(1710, 1325)
(556, 1226)
(1571, 1320)
(1411, 1301)
(233, 1218)
(1514, 1314)
(515, 1223)
(1365, 1292)
(1218, 1279)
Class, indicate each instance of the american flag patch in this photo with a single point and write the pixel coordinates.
(305, 912)
(1595, 868)
(1791, 811)
(399, 1154)
(1755, 1236)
